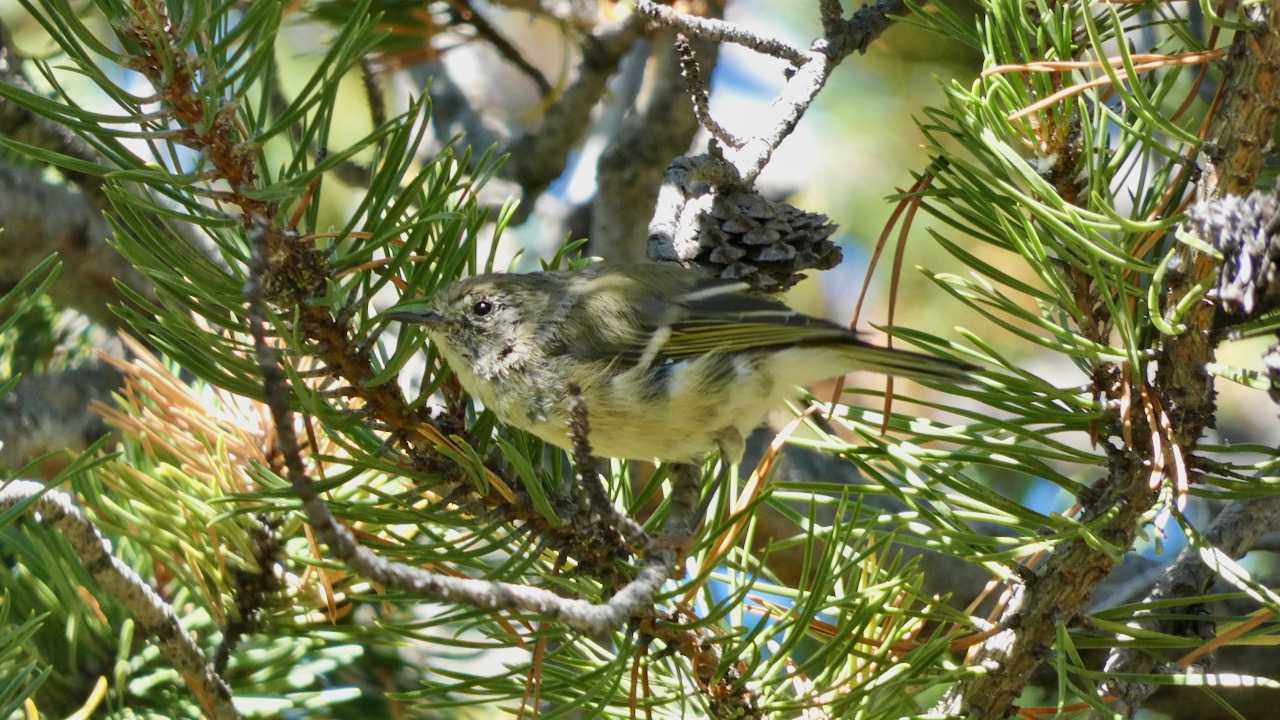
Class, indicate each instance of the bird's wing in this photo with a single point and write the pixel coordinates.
(684, 316)
(717, 315)
(681, 315)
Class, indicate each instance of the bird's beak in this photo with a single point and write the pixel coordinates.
(427, 318)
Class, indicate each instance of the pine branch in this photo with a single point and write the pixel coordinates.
(1161, 428)
(1248, 111)
(149, 610)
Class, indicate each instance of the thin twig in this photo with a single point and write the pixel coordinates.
(698, 93)
(588, 468)
(504, 47)
(723, 31)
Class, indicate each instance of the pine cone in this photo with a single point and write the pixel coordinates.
(747, 237)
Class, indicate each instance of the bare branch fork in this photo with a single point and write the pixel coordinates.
(812, 67)
(733, 164)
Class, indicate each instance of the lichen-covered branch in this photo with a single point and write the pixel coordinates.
(148, 609)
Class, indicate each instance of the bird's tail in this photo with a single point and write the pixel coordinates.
(907, 364)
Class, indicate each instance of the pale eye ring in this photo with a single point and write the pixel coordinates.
(482, 307)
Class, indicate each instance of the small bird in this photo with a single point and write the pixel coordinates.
(672, 364)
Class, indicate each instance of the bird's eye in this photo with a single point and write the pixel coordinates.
(482, 308)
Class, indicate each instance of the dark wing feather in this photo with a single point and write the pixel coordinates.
(705, 315)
